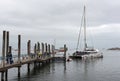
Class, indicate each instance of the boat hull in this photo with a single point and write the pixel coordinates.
(86, 55)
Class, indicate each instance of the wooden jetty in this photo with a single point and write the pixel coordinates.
(45, 55)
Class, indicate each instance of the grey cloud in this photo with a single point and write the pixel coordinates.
(58, 19)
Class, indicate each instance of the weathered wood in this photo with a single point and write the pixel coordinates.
(49, 48)
(46, 49)
(53, 50)
(19, 47)
(7, 47)
(19, 51)
(42, 48)
(2, 76)
(28, 51)
(28, 47)
(65, 49)
(38, 48)
(6, 75)
(3, 48)
(35, 49)
(19, 72)
(10, 49)
(7, 43)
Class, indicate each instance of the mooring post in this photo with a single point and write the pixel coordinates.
(49, 49)
(19, 51)
(2, 76)
(38, 51)
(35, 52)
(65, 49)
(3, 54)
(28, 51)
(7, 46)
(38, 48)
(49, 52)
(3, 48)
(46, 50)
(53, 50)
(35, 49)
(42, 50)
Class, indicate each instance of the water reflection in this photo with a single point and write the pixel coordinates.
(76, 70)
(87, 68)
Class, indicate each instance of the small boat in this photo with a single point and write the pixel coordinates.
(88, 52)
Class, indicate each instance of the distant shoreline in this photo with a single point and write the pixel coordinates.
(115, 48)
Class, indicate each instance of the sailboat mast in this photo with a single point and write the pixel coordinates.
(85, 44)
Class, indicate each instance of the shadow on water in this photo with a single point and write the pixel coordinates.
(39, 72)
(61, 71)
(34, 72)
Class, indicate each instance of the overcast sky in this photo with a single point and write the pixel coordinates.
(49, 20)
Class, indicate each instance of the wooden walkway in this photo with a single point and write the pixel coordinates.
(42, 53)
(26, 60)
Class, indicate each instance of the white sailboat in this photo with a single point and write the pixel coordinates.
(87, 52)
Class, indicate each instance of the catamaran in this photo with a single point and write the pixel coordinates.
(87, 51)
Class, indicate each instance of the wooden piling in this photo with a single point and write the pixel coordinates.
(46, 49)
(3, 48)
(7, 43)
(42, 50)
(10, 49)
(38, 48)
(19, 47)
(3, 54)
(35, 49)
(2, 76)
(53, 50)
(19, 51)
(35, 52)
(28, 51)
(65, 49)
(7, 47)
(49, 48)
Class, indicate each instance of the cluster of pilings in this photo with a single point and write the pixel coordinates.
(7, 49)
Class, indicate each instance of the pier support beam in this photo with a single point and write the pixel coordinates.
(35, 52)
(38, 47)
(2, 76)
(28, 51)
(19, 51)
(42, 50)
(35, 49)
(7, 49)
(3, 48)
(3, 54)
(46, 49)
(18, 72)
(49, 53)
(65, 49)
(53, 52)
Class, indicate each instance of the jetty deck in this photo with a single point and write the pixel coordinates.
(22, 62)
(43, 53)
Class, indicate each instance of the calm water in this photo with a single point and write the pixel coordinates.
(106, 69)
